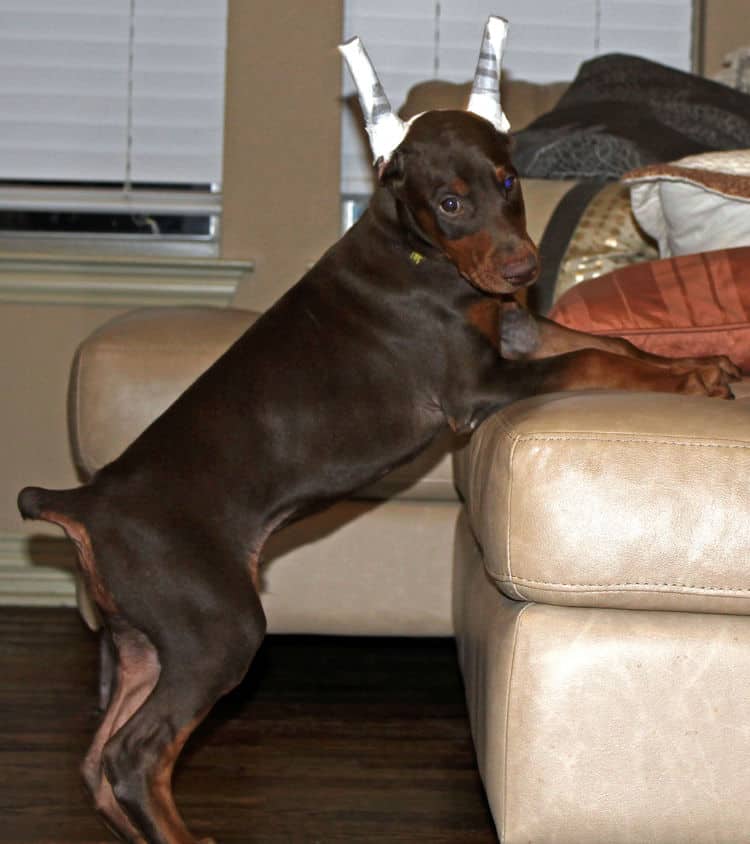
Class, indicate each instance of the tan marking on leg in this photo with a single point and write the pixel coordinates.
(162, 796)
(484, 316)
(79, 536)
(137, 673)
(254, 556)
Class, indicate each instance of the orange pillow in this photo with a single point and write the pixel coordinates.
(685, 306)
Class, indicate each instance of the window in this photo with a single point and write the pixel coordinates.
(111, 124)
(410, 41)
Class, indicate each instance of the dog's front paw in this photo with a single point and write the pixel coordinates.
(707, 380)
(519, 334)
(732, 372)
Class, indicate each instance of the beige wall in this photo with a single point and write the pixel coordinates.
(37, 344)
(726, 26)
(281, 209)
(281, 139)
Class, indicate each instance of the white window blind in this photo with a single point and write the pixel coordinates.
(63, 90)
(414, 40)
(179, 51)
(122, 93)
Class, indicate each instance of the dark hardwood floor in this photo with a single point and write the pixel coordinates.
(327, 740)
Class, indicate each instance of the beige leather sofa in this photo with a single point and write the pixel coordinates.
(601, 594)
(597, 580)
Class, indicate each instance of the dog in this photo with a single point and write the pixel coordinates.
(407, 324)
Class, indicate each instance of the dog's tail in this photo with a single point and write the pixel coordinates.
(50, 505)
(73, 511)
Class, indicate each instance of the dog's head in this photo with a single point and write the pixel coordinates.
(456, 188)
(450, 172)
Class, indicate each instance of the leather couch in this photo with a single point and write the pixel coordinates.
(601, 599)
(594, 571)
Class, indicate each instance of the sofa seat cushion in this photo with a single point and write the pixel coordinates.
(614, 499)
(133, 367)
(598, 726)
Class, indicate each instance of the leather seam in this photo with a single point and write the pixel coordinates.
(80, 438)
(508, 512)
(612, 587)
(127, 349)
(506, 729)
(650, 440)
(507, 426)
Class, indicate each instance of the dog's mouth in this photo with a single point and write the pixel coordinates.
(521, 273)
(495, 271)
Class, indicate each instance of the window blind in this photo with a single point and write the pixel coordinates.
(122, 92)
(63, 90)
(179, 51)
(414, 40)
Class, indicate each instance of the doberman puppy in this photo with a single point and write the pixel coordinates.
(407, 324)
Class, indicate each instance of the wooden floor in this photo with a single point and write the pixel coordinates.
(327, 740)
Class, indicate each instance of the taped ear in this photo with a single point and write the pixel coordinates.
(384, 128)
(485, 90)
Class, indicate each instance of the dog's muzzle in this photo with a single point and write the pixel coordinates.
(522, 271)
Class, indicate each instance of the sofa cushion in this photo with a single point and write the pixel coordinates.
(697, 203)
(614, 499)
(603, 725)
(133, 367)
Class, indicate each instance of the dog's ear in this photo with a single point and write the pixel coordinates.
(391, 172)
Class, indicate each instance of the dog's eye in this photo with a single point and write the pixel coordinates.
(451, 205)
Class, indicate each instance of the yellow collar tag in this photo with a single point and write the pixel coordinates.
(416, 258)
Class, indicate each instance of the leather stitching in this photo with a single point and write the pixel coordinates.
(650, 440)
(621, 587)
(79, 366)
(514, 582)
(506, 730)
(508, 517)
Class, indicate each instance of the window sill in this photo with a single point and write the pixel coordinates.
(118, 281)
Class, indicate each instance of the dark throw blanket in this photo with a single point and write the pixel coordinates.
(622, 112)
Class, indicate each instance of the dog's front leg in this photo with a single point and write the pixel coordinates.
(526, 336)
(590, 369)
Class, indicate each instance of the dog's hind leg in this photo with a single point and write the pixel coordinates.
(136, 671)
(186, 622)
(202, 655)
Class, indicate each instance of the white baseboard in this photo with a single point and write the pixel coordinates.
(36, 571)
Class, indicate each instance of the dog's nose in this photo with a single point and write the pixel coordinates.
(521, 270)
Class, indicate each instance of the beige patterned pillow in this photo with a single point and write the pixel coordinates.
(606, 238)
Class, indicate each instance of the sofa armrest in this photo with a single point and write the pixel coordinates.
(129, 371)
(132, 368)
(617, 499)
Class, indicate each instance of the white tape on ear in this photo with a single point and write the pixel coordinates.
(485, 91)
(384, 128)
